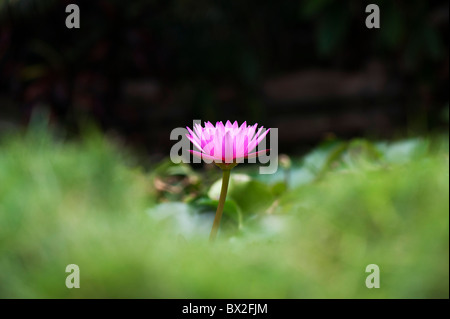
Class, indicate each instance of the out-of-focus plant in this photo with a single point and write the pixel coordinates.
(87, 203)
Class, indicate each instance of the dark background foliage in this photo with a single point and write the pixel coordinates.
(311, 68)
(363, 124)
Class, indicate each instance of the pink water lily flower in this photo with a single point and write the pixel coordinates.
(229, 143)
(226, 146)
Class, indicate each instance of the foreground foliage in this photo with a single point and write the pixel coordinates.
(307, 231)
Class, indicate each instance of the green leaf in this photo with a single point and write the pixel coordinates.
(180, 217)
(230, 209)
(236, 180)
(404, 151)
(252, 196)
(279, 188)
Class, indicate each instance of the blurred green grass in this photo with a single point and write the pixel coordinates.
(143, 234)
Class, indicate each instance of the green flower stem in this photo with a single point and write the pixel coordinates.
(223, 196)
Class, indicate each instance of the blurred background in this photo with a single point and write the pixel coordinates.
(362, 117)
(310, 68)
